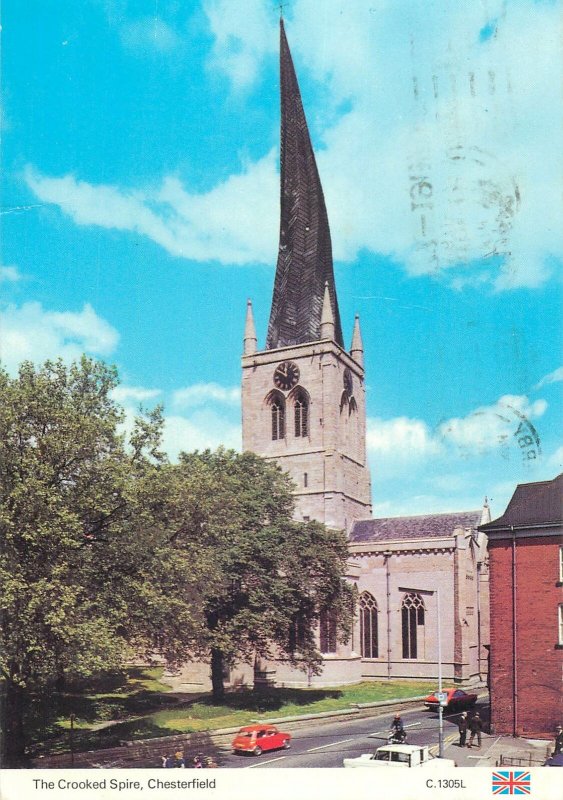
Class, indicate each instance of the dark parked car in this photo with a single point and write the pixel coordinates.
(458, 700)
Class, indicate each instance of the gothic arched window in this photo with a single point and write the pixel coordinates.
(327, 626)
(277, 410)
(412, 618)
(368, 626)
(301, 406)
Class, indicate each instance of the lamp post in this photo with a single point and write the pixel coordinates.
(440, 706)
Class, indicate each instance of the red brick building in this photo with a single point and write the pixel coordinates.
(526, 603)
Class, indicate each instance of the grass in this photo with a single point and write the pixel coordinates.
(137, 705)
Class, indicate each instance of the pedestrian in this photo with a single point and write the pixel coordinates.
(558, 740)
(197, 762)
(476, 728)
(462, 726)
(179, 760)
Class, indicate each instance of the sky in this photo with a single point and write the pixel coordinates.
(140, 210)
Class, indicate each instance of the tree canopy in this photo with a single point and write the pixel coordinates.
(111, 553)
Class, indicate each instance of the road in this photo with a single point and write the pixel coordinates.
(325, 745)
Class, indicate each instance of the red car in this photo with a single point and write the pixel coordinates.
(457, 700)
(256, 739)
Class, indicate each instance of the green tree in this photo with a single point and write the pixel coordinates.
(273, 575)
(88, 573)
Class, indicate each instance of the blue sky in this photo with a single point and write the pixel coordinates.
(141, 203)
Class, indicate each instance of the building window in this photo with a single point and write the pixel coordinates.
(277, 408)
(327, 629)
(368, 626)
(561, 624)
(561, 565)
(297, 633)
(412, 618)
(305, 480)
(301, 406)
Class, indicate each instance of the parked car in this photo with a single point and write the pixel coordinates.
(256, 739)
(458, 700)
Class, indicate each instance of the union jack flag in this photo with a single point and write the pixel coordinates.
(511, 782)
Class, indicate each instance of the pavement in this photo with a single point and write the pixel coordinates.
(498, 750)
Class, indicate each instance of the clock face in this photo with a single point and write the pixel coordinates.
(348, 382)
(286, 375)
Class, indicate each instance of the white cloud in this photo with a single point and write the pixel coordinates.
(556, 460)
(487, 428)
(9, 274)
(448, 144)
(126, 394)
(492, 428)
(220, 225)
(399, 438)
(240, 45)
(553, 377)
(202, 393)
(29, 332)
(202, 430)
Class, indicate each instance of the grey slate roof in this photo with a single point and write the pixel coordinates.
(305, 250)
(539, 503)
(428, 526)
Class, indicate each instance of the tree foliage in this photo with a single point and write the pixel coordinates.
(88, 577)
(273, 575)
(109, 552)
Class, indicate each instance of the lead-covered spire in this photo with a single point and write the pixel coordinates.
(305, 251)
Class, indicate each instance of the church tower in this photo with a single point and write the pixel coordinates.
(303, 395)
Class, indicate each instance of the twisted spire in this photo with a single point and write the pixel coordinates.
(305, 251)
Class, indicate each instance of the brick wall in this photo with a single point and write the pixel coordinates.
(539, 660)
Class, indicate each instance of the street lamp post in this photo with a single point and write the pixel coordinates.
(440, 706)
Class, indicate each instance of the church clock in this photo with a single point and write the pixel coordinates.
(286, 375)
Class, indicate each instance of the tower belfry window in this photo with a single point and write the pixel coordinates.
(301, 407)
(278, 418)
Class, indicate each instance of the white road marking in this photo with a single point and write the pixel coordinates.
(385, 733)
(262, 763)
(332, 744)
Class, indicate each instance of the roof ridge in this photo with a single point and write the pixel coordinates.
(422, 516)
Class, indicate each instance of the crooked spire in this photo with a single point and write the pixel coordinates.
(305, 251)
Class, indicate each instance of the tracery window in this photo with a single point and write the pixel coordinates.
(277, 408)
(301, 406)
(368, 626)
(327, 627)
(412, 618)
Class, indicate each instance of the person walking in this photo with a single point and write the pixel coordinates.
(462, 727)
(558, 740)
(476, 728)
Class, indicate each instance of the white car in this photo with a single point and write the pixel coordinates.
(400, 755)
